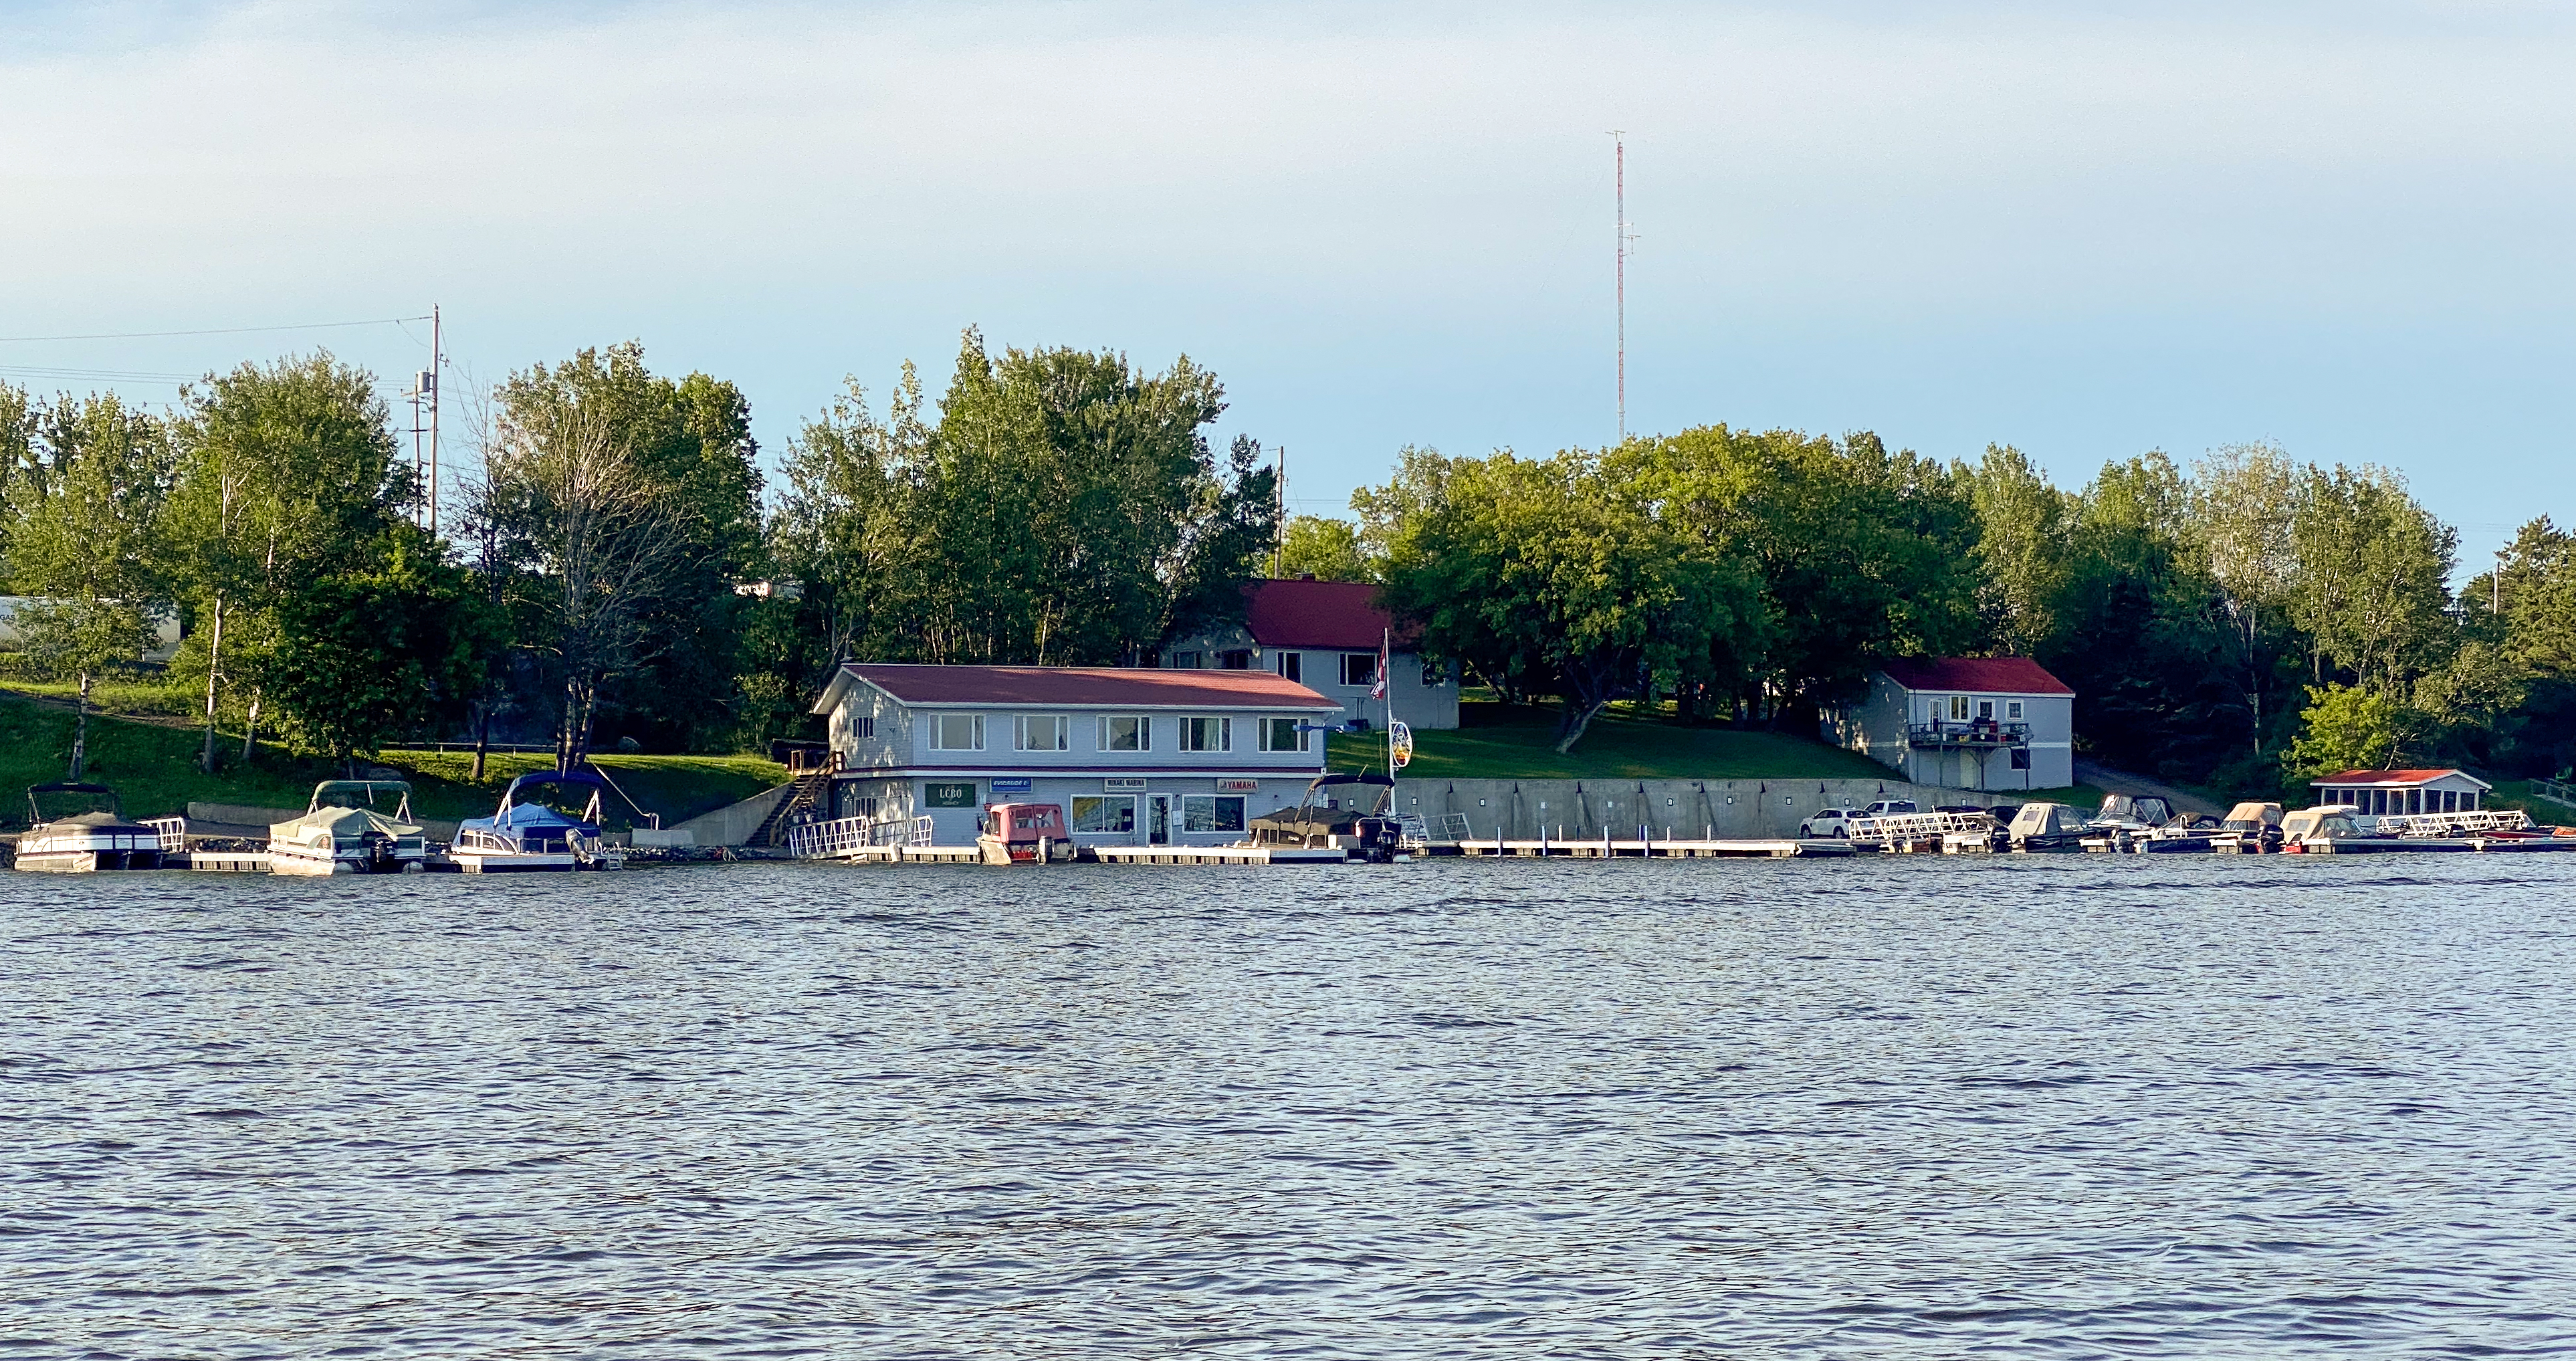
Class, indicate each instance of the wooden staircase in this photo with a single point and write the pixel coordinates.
(808, 791)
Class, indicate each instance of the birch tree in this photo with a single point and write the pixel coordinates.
(81, 538)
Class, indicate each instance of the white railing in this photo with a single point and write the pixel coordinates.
(2468, 823)
(1448, 827)
(2556, 791)
(841, 836)
(1910, 827)
(172, 831)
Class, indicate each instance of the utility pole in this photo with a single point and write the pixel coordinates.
(1279, 536)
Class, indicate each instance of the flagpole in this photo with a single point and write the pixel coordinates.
(1386, 677)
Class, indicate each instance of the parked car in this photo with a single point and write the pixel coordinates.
(1888, 808)
(1826, 822)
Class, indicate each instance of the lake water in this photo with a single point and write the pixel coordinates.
(1889, 1107)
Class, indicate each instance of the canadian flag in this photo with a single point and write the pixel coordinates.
(1378, 691)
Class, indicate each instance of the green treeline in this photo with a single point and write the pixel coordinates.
(619, 571)
(2246, 622)
(615, 571)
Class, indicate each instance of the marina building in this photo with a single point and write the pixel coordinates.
(1325, 636)
(1988, 723)
(2390, 793)
(1134, 756)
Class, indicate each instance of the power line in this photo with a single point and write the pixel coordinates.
(216, 331)
(126, 375)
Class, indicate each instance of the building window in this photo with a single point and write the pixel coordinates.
(1212, 813)
(1958, 706)
(2021, 758)
(1185, 661)
(1207, 734)
(1124, 733)
(2012, 708)
(1986, 709)
(1359, 668)
(1104, 812)
(1290, 664)
(1042, 732)
(1283, 734)
(1234, 659)
(863, 727)
(957, 732)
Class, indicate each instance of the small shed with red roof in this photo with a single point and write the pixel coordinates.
(2391, 793)
(1325, 635)
(1980, 723)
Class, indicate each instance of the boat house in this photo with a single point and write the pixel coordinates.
(1135, 756)
(1325, 636)
(1988, 723)
(2391, 793)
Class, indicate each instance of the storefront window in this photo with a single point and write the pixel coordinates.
(1104, 812)
(1212, 813)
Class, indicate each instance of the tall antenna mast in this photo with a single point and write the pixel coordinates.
(437, 362)
(1279, 536)
(1619, 153)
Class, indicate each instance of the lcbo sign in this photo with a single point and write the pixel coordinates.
(936, 795)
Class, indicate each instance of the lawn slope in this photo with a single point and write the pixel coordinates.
(153, 768)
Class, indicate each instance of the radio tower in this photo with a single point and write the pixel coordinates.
(1619, 153)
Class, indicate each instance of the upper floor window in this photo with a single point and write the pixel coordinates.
(1958, 706)
(1290, 664)
(1207, 734)
(1185, 661)
(1042, 732)
(864, 726)
(1359, 668)
(2012, 708)
(957, 732)
(1283, 734)
(1985, 708)
(1120, 732)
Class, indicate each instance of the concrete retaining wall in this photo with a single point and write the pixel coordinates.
(733, 824)
(1576, 809)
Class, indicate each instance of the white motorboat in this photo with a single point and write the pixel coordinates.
(343, 831)
(93, 840)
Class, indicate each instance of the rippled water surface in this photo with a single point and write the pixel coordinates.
(2048, 1106)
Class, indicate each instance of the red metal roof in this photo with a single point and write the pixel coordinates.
(1084, 686)
(2394, 778)
(1993, 675)
(1334, 614)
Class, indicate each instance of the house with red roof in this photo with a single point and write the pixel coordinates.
(2393, 793)
(1325, 635)
(1986, 723)
(1134, 756)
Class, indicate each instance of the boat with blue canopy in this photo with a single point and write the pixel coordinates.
(532, 830)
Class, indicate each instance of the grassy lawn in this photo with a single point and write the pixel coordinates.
(1501, 742)
(154, 771)
(677, 787)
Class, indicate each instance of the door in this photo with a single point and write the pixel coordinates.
(1158, 820)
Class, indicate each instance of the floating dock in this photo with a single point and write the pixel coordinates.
(1219, 855)
(1780, 848)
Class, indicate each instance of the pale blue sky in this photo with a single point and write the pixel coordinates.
(2087, 230)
